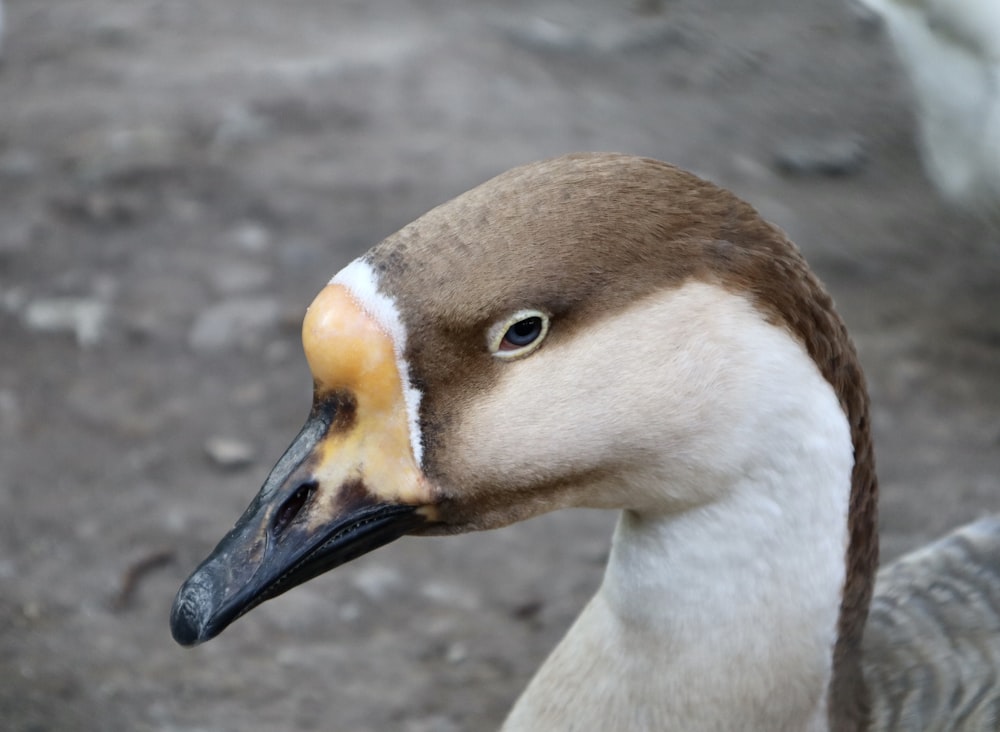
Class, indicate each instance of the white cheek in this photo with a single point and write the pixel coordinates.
(361, 281)
(591, 402)
(665, 396)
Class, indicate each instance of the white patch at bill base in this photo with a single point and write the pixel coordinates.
(360, 280)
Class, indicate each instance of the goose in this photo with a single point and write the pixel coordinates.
(607, 331)
(951, 51)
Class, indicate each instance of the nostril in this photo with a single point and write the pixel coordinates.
(292, 507)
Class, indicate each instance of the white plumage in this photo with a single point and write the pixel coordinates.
(951, 51)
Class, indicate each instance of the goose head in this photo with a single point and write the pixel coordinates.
(595, 330)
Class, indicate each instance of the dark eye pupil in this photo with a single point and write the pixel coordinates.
(524, 331)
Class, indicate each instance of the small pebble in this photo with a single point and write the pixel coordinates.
(349, 612)
(250, 236)
(240, 277)
(84, 318)
(229, 452)
(450, 595)
(239, 126)
(377, 581)
(821, 156)
(456, 653)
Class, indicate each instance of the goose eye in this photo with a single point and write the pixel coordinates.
(519, 335)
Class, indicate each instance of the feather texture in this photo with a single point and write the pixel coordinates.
(932, 643)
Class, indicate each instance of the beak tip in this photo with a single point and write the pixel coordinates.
(188, 616)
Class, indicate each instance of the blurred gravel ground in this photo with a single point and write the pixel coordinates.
(177, 180)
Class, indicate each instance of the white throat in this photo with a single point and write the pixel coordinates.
(721, 615)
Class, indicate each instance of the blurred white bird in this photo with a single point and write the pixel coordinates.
(951, 50)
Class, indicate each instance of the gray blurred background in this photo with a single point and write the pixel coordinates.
(179, 178)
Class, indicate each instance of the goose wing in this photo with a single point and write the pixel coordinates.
(932, 643)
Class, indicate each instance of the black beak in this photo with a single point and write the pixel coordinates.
(294, 530)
